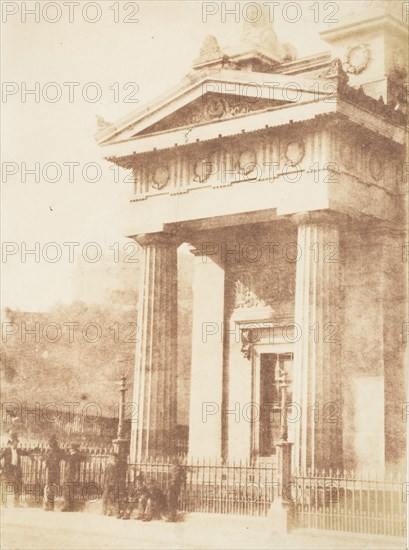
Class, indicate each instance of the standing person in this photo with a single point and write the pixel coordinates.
(52, 461)
(128, 493)
(72, 478)
(14, 421)
(113, 495)
(177, 478)
(12, 473)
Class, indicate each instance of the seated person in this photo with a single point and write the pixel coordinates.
(152, 503)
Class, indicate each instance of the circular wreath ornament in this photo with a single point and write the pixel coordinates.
(215, 108)
(357, 59)
(247, 161)
(160, 177)
(376, 165)
(294, 152)
(202, 169)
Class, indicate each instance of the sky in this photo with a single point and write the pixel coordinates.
(117, 57)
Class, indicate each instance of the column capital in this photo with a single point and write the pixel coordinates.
(319, 217)
(157, 239)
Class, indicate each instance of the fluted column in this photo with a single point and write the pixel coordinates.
(317, 434)
(154, 433)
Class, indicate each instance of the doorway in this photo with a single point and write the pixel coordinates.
(270, 368)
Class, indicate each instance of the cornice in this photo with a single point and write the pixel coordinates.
(361, 25)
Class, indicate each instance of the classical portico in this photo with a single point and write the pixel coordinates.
(285, 180)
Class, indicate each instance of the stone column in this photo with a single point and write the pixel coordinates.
(317, 435)
(154, 433)
(206, 382)
(393, 289)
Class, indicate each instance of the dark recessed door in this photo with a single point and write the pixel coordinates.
(272, 366)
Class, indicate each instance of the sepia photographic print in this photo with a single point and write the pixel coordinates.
(204, 258)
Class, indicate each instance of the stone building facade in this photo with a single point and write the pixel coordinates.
(285, 176)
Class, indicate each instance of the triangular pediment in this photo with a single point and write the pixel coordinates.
(212, 107)
(206, 98)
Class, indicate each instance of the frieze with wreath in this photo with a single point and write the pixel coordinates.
(294, 152)
(160, 177)
(357, 59)
(202, 169)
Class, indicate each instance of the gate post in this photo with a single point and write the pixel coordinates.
(280, 512)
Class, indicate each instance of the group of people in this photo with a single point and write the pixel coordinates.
(143, 499)
(72, 460)
(12, 473)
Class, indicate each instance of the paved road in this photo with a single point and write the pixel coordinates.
(30, 528)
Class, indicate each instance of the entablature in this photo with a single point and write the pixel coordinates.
(218, 151)
(262, 156)
(327, 147)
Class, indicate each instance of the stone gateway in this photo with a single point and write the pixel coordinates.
(284, 175)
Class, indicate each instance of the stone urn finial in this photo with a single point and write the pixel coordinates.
(210, 51)
(258, 35)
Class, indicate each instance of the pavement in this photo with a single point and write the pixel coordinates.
(33, 528)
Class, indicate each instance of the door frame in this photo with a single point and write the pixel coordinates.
(257, 351)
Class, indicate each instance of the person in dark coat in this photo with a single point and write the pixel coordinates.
(153, 502)
(12, 473)
(114, 492)
(137, 495)
(71, 479)
(177, 478)
(53, 464)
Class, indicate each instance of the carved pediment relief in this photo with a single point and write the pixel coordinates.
(212, 107)
(269, 285)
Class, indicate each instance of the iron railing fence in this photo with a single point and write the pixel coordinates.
(211, 486)
(353, 502)
(341, 501)
(217, 487)
(34, 470)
